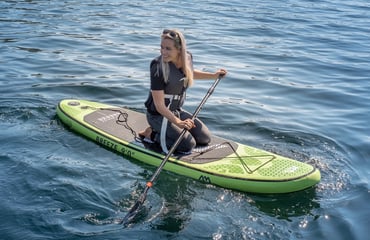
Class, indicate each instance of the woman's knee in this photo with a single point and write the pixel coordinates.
(201, 135)
(203, 140)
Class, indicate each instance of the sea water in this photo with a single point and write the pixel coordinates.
(298, 85)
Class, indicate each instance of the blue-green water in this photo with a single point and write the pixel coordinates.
(298, 85)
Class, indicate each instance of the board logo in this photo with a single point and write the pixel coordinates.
(109, 117)
(204, 179)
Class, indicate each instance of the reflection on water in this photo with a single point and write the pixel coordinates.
(297, 86)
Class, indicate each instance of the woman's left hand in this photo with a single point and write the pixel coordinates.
(187, 123)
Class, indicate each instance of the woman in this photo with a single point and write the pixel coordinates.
(171, 74)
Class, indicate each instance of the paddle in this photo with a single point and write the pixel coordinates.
(135, 209)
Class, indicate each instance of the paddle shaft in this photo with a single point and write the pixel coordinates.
(149, 184)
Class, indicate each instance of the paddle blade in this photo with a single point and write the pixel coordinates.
(135, 209)
(130, 216)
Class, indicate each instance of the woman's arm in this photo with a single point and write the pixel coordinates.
(158, 98)
(208, 75)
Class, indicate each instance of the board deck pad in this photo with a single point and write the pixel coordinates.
(118, 122)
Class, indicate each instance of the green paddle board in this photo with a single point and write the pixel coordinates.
(223, 162)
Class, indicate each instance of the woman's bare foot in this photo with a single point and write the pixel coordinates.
(146, 133)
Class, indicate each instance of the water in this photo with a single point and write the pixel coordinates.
(298, 85)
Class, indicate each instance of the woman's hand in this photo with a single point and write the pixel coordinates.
(221, 72)
(188, 124)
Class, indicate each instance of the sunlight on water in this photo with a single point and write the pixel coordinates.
(297, 86)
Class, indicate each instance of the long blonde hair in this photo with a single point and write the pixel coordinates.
(180, 43)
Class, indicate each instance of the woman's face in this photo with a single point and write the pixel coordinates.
(168, 50)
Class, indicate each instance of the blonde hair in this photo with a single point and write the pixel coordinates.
(180, 43)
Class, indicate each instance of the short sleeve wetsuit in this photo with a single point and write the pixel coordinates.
(175, 94)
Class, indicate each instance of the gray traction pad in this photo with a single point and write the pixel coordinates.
(106, 120)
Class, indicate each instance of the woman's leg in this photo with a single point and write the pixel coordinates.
(201, 133)
(172, 134)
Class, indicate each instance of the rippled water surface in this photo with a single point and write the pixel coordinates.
(298, 85)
